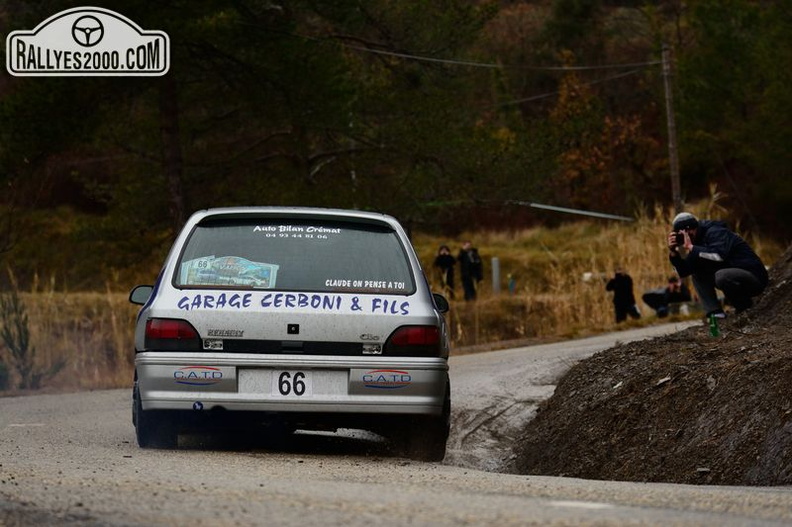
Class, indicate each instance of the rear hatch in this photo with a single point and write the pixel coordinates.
(305, 285)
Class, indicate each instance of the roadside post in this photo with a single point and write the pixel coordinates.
(495, 275)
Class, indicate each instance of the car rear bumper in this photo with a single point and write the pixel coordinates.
(291, 383)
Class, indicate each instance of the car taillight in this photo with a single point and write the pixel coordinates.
(414, 340)
(166, 334)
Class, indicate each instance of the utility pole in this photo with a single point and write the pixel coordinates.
(673, 157)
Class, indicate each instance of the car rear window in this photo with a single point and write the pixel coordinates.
(295, 255)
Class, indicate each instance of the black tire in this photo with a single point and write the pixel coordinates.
(427, 436)
(153, 429)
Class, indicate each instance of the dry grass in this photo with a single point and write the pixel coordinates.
(93, 332)
(560, 292)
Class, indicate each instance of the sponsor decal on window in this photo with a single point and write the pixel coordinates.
(302, 302)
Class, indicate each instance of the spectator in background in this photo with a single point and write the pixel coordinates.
(716, 258)
(660, 299)
(471, 269)
(623, 298)
(445, 264)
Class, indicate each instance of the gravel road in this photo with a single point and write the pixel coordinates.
(71, 460)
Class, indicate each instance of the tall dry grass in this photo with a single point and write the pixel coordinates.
(559, 277)
(92, 332)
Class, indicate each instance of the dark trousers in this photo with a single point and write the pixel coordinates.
(469, 285)
(738, 285)
(623, 311)
(657, 299)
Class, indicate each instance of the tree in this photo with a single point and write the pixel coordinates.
(733, 105)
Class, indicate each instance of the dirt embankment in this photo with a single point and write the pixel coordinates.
(687, 408)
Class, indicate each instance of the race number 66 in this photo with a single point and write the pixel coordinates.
(292, 384)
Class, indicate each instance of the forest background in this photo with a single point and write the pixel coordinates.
(454, 116)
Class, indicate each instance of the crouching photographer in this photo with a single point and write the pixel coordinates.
(716, 258)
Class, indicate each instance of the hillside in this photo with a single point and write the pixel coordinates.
(687, 408)
(450, 116)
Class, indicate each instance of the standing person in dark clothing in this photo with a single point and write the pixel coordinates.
(623, 298)
(472, 270)
(445, 264)
(716, 258)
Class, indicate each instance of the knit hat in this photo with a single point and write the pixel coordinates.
(685, 220)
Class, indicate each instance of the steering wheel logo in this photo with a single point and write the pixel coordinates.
(87, 31)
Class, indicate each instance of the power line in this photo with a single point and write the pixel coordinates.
(455, 62)
(552, 94)
(472, 64)
(422, 58)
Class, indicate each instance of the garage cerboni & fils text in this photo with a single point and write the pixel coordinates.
(296, 301)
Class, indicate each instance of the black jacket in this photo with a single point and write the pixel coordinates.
(622, 286)
(715, 248)
(446, 263)
(470, 264)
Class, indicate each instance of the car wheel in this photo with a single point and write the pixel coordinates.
(427, 436)
(152, 428)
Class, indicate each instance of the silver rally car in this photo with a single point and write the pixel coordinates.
(292, 318)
